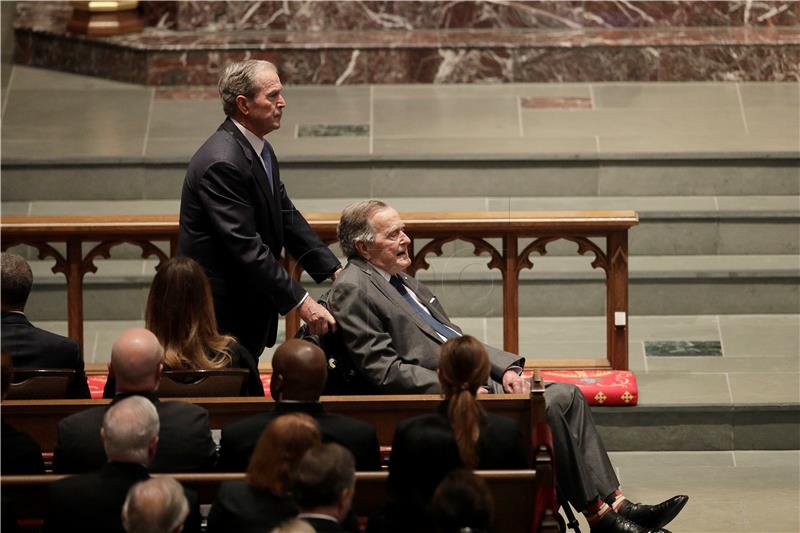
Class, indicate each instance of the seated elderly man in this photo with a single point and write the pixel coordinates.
(392, 327)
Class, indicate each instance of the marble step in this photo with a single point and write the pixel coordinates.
(669, 225)
(557, 286)
(494, 173)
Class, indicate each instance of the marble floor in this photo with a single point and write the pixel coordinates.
(79, 117)
(739, 491)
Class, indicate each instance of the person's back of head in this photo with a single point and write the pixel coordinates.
(278, 450)
(156, 505)
(324, 481)
(299, 370)
(462, 503)
(180, 312)
(136, 361)
(130, 431)
(17, 280)
(463, 368)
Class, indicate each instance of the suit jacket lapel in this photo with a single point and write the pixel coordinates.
(257, 168)
(422, 295)
(397, 300)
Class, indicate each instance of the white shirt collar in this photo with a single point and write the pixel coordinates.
(255, 141)
(319, 516)
(382, 272)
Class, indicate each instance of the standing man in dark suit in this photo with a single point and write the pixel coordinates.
(185, 443)
(29, 346)
(298, 377)
(393, 326)
(93, 502)
(236, 217)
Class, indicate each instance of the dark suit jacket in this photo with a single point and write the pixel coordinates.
(424, 452)
(239, 438)
(393, 347)
(20, 453)
(242, 508)
(93, 502)
(31, 347)
(184, 440)
(236, 227)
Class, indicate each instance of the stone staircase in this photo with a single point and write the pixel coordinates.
(716, 256)
(715, 237)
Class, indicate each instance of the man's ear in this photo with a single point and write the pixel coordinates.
(361, 248)
(242, 105)
(275, 386)
(345, 502)
(102, 435)
(152, 447)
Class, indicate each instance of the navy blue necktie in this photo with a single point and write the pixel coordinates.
(268, 164)
(437, 326)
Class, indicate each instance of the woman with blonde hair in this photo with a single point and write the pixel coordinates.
(460, 434)
(261, 501)
(180, 312)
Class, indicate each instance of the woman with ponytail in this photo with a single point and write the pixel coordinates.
(459, 435)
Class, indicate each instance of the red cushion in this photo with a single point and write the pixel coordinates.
(600, 387)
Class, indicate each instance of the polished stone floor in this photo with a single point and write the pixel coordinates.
(740, 491)
(94, 118)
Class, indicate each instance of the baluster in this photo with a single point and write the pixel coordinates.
(617, 299)
(510, 272)
(75, 290)
(292, 319)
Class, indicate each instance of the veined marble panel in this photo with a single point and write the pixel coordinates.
(370, 15)
(316, 15)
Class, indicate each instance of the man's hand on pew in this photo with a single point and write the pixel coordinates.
(513, 383)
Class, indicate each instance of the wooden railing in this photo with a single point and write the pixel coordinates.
(43, 232)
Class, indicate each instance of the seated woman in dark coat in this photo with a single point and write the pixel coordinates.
(180, 312)
(460, 434)
(261, 501)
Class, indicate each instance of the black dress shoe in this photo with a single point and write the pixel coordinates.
(653, 516)
(615, 523)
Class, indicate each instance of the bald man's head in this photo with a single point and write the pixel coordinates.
(299, 371)
(136, 361)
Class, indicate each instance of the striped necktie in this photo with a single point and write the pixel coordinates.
(423, 313)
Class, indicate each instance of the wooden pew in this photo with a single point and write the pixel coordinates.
(40, 418)
(514, 494)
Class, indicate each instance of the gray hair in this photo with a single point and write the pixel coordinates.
(240, 79)
(157, 505)
(128, 429)
(354, 225)
(321, 476)
(17, 280)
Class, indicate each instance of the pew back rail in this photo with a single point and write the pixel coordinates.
(46, 232)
